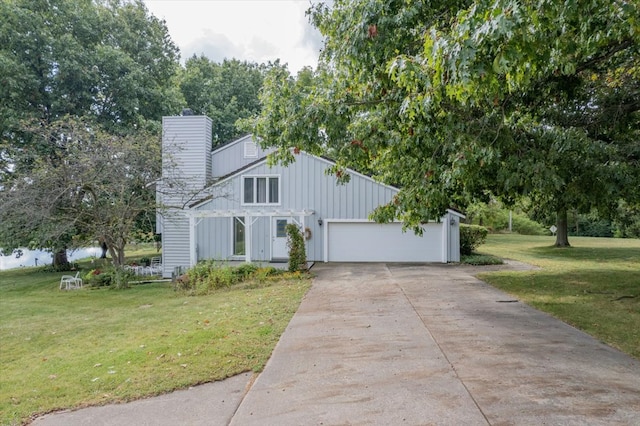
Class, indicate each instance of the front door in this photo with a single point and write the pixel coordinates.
(279, 249)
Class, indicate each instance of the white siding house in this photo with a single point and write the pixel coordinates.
(242, 214)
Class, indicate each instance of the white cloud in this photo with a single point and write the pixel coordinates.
(214, 46)
(253, 30)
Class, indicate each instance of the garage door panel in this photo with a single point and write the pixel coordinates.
(373, 242)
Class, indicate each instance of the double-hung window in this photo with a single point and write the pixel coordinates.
(261, 189)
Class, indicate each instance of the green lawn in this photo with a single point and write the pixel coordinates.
(63, 349)
(593, 285)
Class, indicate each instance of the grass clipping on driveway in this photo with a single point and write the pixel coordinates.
(594, 285)
(65, 349)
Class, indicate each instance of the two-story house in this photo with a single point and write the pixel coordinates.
(229, 204)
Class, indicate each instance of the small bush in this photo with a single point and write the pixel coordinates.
(525, 226)
(70, 266)
(182, 283)
(264, 273)
(471, 237)
(208, 276)
(245, 270)
(117, 278)
(97, 278)
(297, 251)
(121, 278)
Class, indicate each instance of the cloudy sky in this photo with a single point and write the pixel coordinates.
(252, 30)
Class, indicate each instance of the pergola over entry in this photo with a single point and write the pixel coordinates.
(250, 216)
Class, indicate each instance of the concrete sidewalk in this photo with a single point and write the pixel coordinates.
(407, 344)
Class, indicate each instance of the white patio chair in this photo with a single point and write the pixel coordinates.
(70, 282)
(156, 266)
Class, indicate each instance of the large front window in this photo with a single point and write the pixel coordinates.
(261, 190)
(238, 236)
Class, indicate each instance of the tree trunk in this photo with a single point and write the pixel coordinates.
(105, 249)
(120, 252)
(60, 261)
(562, 233)
(117, 255)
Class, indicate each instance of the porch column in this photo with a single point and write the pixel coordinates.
(248, 225)
(306, 242)
(192, 241)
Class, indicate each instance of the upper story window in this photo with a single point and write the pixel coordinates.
(261, 189)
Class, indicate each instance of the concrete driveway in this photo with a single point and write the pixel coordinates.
(408, 344)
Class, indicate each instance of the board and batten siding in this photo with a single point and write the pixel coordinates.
(186, 169)
(231, 157)
(304, 185)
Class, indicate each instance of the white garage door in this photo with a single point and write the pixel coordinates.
(373, 242)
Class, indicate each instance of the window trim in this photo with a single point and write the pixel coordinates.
(234, 223)
(255, 189)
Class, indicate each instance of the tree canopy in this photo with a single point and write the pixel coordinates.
(83, 87)
(96, 188)
(455, 102)
(225, 92)
(107, 64)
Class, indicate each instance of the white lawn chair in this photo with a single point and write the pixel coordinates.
(156, 266)
(70, 282)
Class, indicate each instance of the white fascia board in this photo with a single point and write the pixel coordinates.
(248, 213)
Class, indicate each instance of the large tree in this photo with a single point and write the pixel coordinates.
(457, 101)
(95, 189)
(108, 62)
(225, 92)
(108, 59)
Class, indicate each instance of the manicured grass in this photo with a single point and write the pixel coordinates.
(593, 285)
(65, 349)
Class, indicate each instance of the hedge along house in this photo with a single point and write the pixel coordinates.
(229, 204)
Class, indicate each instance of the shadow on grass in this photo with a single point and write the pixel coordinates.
(587, 253)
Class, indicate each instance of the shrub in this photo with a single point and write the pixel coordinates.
(118, 278)
(97, 278)
(525, 226)
(208, 276)
(121, 278)
(245, 270)
(70, 266)
(591, 226)
(297, 251)
(471, 237)
(262, 274)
